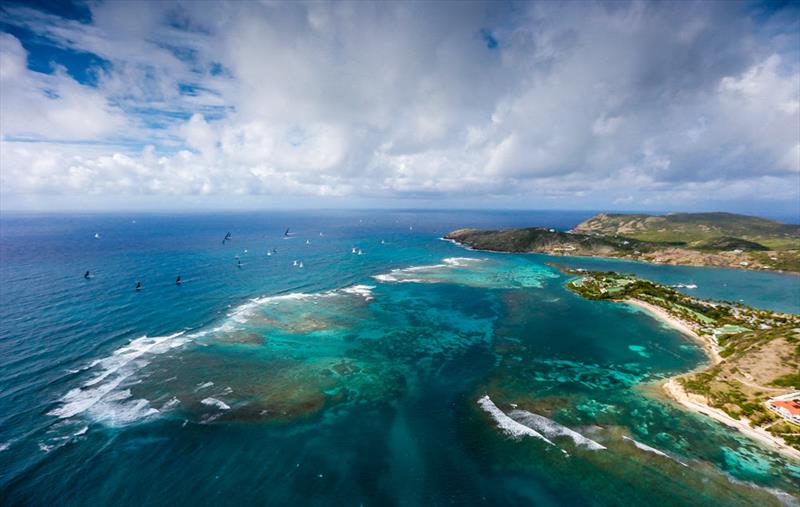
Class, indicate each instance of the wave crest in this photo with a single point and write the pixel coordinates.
(552, 429)
(509, 426)
(99, 396)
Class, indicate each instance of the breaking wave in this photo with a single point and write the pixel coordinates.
(246, 310)
(422, 274)
(365, 291)
(509, 426)
(647, 448)
(552, 429)
(104, 397)
(99, 397)
(213, 402)
(404, 275)
(473, 272)
(243, 312)
(460, 261)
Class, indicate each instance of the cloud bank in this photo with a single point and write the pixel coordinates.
(608, 105)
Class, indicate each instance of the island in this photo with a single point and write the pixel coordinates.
(694, 239)
(751, 382)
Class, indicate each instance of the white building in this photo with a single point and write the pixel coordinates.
(788, 409)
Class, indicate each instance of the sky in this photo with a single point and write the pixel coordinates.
(540, 105)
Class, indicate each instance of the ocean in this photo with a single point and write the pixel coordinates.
(357, 360)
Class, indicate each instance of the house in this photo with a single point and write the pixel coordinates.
(788, 409)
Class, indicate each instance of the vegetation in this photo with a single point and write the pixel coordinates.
(791, 380)
(695, 227)
(704, 239)
(729, 243)
(534, 239)
(758, 350)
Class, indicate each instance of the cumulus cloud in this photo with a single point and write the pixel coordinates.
(634, 104)
(53, 106)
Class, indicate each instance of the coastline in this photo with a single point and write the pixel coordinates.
(626, 259)
(711, 348)
(672, 388)
(695, 403)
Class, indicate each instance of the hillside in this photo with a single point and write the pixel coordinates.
(538, 239)
(695, 228)
(696, 239)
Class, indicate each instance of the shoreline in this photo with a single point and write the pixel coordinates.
(695, 402)
(710, 348)
(590, 256)
(672, 388)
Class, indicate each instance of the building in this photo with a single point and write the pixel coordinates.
(788, 409)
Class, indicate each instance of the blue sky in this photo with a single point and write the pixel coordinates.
(576, 105)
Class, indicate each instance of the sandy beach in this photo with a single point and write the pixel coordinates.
(696, 403)
(710, 347)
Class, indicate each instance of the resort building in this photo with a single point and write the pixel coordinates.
(788, 409)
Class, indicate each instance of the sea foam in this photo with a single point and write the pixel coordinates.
(241, 313)
(402, 275)
(246, 310)
(213, 402)
(509, 426)
(100, 398)
(203, 386)
(365, 291)
(552, 429)
(460, 261)
(405, 275)
(647, 448)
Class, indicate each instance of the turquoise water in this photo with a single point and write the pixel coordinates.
(774, 291)
(416, 373)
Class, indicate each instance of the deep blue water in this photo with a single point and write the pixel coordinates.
(352, 380)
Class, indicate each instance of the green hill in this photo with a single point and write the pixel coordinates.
(695, 227)
(698, 239)
(728, 243)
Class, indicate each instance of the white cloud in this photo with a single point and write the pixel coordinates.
(199, 134)
(406, 100)
(52, 106)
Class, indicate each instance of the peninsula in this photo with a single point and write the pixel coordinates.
(694, 239)
(751, 382)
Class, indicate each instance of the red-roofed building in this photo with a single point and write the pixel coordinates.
(790, 409)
